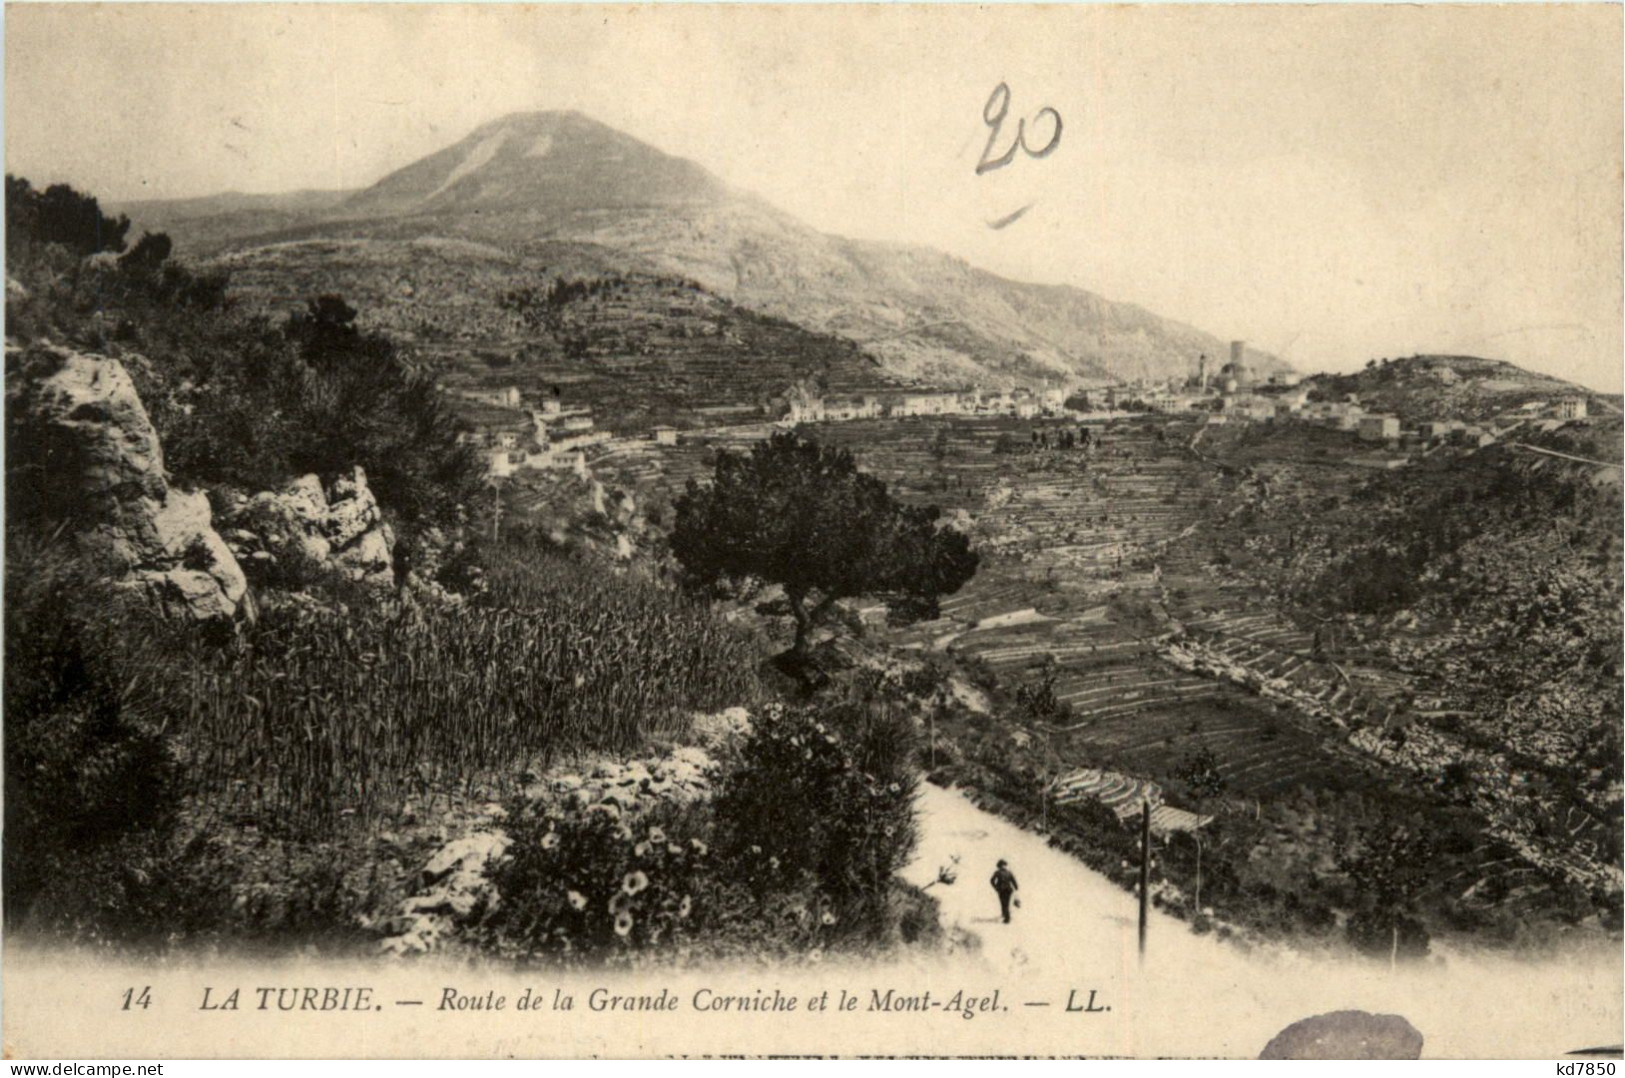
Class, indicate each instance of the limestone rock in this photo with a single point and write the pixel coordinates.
(102, 459)
(458, 887)
(337, 528)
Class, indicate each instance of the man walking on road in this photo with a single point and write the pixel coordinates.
(1004, 882)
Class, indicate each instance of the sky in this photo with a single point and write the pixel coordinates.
(1331, 183)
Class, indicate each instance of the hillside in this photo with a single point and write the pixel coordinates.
(639, 347)
(1425, 387)
(529, 182)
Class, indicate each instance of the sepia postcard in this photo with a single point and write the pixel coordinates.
(667, 530)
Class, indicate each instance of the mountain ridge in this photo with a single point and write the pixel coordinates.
(552, 177)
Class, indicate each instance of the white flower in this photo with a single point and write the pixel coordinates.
(623, 923)
(550, 840)
(578, 901)
(634, 882)
(685, 906)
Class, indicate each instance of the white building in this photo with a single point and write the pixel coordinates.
(504, 397)
(915, 404)
(851, 407)
(805, 407)
(501, 463)
(1379, 428)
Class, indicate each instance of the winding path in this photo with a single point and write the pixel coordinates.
(1198, 996)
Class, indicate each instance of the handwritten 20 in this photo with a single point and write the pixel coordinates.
(994, 114)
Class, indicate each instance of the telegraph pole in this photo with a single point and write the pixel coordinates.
(1145, 871)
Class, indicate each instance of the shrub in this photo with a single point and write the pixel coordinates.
(83, 774)
(236, 400)
(607, 881)
(58, 215)
(827, 795)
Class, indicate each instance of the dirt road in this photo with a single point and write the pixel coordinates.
(1076, 932)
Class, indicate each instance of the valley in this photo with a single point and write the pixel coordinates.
(1125, 618)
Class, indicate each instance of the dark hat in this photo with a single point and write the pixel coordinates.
(1003, 863)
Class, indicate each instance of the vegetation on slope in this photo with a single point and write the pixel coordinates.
(1427, 388)
(283, 779)
(242, 400)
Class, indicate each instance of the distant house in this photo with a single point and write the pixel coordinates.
(577, 422)
(1346, 417)
(572, 442)
(851, 408)
(1570, 408)
(504, 397)
(1435, 429)
(500, 463)
(806, 409)
(997, 402)
(915, 404)
(665, 435)
(1379, 428)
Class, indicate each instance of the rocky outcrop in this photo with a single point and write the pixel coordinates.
(306, 527)
(457, 888)
(96, 459)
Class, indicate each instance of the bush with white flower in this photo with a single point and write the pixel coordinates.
(590, 885)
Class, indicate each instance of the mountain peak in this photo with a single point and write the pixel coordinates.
(543, 162)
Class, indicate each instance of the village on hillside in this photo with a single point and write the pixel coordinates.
(515, 433)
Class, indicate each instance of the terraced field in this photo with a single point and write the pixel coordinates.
(1081, 556)
(1097, 587)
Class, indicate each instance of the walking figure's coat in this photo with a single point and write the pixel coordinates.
(1004, 882)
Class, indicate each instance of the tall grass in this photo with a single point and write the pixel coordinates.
(314, 716)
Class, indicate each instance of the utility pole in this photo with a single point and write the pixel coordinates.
(1145, 871)
(496, 510)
